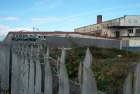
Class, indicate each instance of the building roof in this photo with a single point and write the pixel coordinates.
(48, 33)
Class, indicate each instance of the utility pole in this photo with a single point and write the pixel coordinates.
(35, 29)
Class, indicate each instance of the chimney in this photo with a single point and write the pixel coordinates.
(99, 19)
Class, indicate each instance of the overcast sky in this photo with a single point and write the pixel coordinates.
(61, 15)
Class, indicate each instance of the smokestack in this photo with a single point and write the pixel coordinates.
(99, 19)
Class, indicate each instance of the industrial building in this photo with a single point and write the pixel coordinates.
(127, 28)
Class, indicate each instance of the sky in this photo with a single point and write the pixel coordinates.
(60, 15)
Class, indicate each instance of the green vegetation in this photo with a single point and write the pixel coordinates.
(110, 75)
(110, 66)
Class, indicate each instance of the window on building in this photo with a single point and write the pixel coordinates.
(20, 35)
(117, 34)
(129, 20)
(24, 36)
(31, 36)
(135, 21)
(137, 30)
(130, 30)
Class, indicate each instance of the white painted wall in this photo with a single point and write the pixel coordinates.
(123, 32)
(135, 42)
(122, 21)
(130, 21)
(132, 42)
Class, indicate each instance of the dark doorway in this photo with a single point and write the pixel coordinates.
(117, 34)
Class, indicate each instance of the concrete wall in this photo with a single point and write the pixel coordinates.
(67, 42)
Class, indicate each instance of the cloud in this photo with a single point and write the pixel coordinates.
(108, 10)
(40, 21)
(54, 4)
(49, 19)
(9, 19)
(5, 29)
(73, 20)
(45, 5)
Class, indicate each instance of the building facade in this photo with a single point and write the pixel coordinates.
(127, 28)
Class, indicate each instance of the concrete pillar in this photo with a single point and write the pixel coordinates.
(89, 82)
(48, 75)
(38, 77)
(63, 76)
(31, 74)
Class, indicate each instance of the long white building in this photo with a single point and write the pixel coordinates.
(20, 36)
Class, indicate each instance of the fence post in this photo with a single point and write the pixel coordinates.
(0, 83)
(137, 79)
(22, 69)
(38, 73)
(10, 68)
(127, 89)
(26, 70)
(80, 72)
(19, 79)
(48, 75)
(31, 74)
(13, 70)
(63, 75)
(89, 82)
(0, 63)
